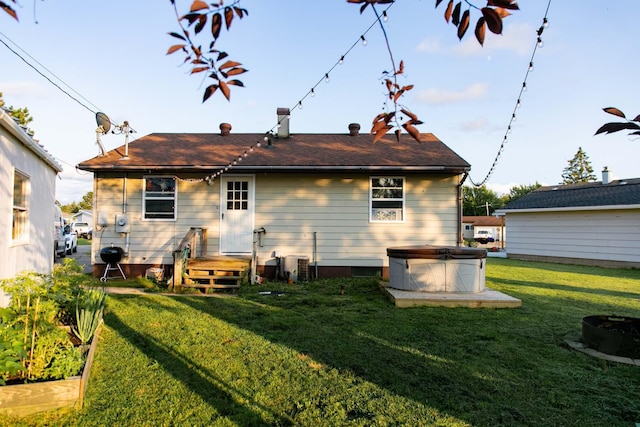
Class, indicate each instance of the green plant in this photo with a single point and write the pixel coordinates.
(88, 317)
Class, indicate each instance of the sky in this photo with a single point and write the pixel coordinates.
(111, 57)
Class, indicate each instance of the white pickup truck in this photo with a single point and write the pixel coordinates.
(70, 240)
(483, 236)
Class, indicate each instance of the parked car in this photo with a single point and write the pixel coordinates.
(59, 240)
(483, 236)
(81, 228)
(71, 240)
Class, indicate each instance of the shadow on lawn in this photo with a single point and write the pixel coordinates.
(210, 387)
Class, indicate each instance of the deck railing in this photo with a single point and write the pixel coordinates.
(193, 244)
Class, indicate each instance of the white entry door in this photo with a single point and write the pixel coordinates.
(236, 214)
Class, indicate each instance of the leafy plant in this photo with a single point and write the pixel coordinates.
(89, 317)
(633, 124)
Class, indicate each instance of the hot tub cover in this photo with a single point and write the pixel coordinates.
(436, 252)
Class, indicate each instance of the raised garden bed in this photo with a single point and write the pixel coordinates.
(25, 399)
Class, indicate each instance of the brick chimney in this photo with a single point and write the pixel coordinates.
(225, 129)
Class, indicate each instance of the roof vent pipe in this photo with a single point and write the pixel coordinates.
(354, 129)
(225, 129)
(283, 122)
(606, 179)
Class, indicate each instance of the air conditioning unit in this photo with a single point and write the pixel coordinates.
(296, 267)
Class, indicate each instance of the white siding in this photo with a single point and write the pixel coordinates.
(36, 252)
(610, 235)
(291, 209)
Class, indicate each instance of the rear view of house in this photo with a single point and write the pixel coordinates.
(335, 201)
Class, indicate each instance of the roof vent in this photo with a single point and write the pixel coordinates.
(225, 129)
(606, 178)
(354, 129)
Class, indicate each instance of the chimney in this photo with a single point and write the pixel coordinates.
(225, 129)
(354, 128)
(283, 122)
(606, 179)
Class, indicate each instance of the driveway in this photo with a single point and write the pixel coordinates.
(82, 257)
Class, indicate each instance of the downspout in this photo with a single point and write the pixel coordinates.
(459, 208)
(124, 211)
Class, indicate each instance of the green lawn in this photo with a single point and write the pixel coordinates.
(313, 357)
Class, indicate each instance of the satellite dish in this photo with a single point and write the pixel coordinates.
(103, 121)
(104, 124)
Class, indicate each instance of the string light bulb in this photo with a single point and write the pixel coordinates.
(364, 41)
(530, 66)
(313, 92)
(385, 18)
(341, 60)
(540, 42)
(524, 86)
(545, 22)
(326, 77)
(300, 105)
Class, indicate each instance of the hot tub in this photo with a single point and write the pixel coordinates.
(437, 268)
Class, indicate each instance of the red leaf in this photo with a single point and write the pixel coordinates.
(464, 24)
(199, 70)
(208, 92)
(198, 5)
(216, 25)
(637, 119)
(506, 4)
(398, 133)
(412, 130)
(235, 82)
(438, 3)
(455, 17)
(380, 133)
(178, 36)
(229, 64)
(615, 127)
(175, 48)
(9, 10)
(225, 90)
(228, 16)
(236, 71)
(614, 111)
(494, 22)
(447, 12)
(480, 30)
(202, 21)
(410, 114)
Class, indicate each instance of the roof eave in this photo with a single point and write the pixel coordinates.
(569, 209)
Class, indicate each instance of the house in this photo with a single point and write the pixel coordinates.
(492, 224)
(594, 223)
(27, 182)
(336, 200)
(83, 216)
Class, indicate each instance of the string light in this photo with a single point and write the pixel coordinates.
(326, 77)
(341, 60)
(539, 43)
(385, 18)
(300, 105)
(313, 92)
(364, 41)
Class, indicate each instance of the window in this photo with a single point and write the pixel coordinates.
(237, 195)
(159, 199)
(20, 221)
(387, 199)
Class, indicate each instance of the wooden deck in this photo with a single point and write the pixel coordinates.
(216, 272)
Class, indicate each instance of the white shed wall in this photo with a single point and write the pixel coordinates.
(608, 235)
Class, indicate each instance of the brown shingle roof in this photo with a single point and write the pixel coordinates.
(208, 151)
(486, 221)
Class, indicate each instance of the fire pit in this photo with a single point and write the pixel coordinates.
(614, 335)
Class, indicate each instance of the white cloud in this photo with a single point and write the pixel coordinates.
(474, 125)
(439, 96)
(430, 45)
(518, 38)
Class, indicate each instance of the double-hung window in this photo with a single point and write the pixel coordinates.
(20, 220)
(159, 198)
(386, 199)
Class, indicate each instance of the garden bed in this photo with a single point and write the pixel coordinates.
(25, 399)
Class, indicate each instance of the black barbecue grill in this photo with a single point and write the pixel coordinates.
(111, 255)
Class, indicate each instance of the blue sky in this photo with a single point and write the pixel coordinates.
(113, 55)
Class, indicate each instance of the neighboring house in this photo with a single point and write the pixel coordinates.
(338, 199)
(27, 184)
(83, 216)
(493, 224)
(595, 223)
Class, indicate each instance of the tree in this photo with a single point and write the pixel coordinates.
(217, 66)
(85, 204)
(479, 201)
(517, 191)
(578, 170)
(22, 114)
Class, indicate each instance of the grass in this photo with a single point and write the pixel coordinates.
(307, 355)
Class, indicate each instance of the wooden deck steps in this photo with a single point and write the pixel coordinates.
(216, 272)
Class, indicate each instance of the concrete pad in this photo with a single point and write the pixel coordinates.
(576, 345)
(485, 299)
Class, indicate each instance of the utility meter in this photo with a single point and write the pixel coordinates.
(122, 223)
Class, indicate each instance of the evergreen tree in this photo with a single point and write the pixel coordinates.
(579, 169)
(22, 114)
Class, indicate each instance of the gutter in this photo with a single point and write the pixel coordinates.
(459, 208)
(26, 140)
(568, 209)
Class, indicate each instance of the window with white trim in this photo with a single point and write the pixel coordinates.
(20, 219)
(159, 198)
(386, 199)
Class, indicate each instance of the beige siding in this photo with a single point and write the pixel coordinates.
(610, 235)
(291, 210)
